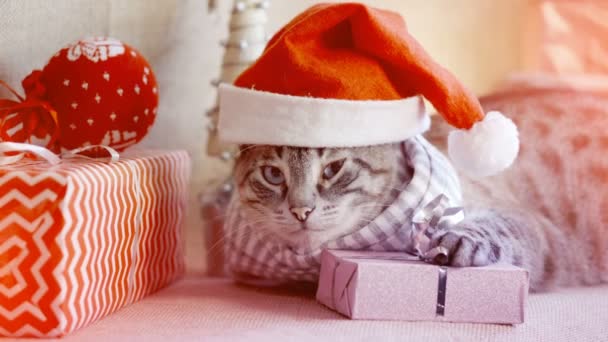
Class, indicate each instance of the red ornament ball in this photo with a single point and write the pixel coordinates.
(104, 92)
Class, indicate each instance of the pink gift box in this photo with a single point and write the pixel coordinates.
(397, 286)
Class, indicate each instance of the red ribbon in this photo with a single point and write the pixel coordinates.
(37, 116)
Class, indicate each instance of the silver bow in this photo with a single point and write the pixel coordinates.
(435, 216)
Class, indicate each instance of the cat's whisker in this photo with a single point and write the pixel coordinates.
(223, 215)
(250, 147)
(372, 206)
(222, 241)
(254, 222)
(232, 234)
(383, 206)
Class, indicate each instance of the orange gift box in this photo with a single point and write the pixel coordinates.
(83, 238)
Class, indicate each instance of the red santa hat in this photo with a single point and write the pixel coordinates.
(345, 75)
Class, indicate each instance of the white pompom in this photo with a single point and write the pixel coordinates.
(489, 147)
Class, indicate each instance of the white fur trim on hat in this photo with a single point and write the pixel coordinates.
(489, 147)
(250, 116)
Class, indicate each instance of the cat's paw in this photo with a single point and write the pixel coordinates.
(465, 248)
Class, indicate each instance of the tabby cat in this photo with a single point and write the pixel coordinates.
(548, 213)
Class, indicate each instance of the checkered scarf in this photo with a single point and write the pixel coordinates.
(252, 256)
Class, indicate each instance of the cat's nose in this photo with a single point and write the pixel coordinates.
(301, 214)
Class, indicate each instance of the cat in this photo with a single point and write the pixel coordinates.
(548, 213)
(308, 196)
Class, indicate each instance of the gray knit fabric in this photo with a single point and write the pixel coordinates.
(253, 255)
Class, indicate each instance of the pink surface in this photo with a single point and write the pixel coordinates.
(369, 285)
(207, 309)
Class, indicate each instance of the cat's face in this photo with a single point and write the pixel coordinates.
(306, 197)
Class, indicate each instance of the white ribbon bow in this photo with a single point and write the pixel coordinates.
(44, 153)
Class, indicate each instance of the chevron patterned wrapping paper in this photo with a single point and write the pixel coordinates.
(84, 238)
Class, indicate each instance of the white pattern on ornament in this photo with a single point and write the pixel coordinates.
(119, 139)
(95, 49)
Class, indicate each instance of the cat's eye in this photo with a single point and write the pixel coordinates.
(273, 175)
(332, 169)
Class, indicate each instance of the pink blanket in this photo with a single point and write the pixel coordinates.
(567, 37)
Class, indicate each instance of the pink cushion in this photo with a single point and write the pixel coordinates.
(208, 309)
